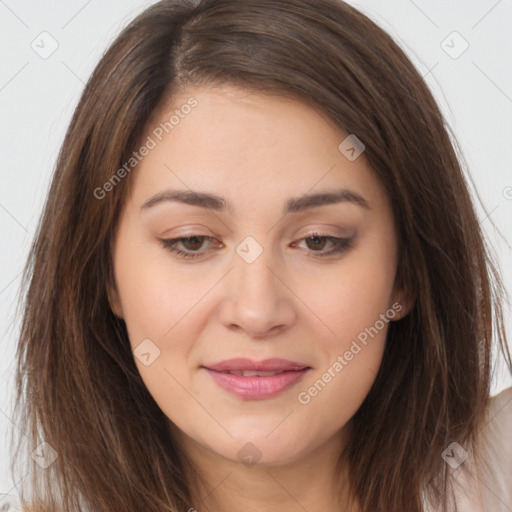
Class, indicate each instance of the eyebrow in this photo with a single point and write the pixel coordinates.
(293, 205)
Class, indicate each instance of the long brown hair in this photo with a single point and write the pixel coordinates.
(78, 387)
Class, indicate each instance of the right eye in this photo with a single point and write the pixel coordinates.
(192, 245)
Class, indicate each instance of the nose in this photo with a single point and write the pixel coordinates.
(257, 300)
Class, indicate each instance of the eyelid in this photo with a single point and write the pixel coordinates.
(169, 243)
(341, 244)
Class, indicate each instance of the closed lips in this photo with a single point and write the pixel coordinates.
(256, 380)
(256, 373)
(265, 368)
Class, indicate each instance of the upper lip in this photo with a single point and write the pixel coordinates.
(266, 365)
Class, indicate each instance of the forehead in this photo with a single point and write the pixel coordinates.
(247, 146)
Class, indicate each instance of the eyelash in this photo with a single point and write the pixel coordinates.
(341, 245)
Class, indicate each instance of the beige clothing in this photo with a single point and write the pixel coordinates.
(479, 489)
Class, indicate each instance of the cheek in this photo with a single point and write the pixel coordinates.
(357, 308)
(352, 296)
(340, 383)
(155, 295)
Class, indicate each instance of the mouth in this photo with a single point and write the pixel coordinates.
(256, 380)
(253, 373)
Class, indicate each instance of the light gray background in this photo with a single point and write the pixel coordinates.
(38, 95)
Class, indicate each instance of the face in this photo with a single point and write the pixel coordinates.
(254, 265)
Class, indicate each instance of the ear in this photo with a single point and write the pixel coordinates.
(402, 302)
(113, 299)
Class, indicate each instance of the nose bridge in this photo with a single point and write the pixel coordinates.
(256, 300)
(254, 282)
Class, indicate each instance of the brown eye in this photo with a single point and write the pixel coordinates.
(318, 242)
(191, 244)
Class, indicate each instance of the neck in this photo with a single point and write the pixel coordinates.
(315, 482)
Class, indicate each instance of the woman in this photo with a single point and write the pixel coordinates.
(259, 281)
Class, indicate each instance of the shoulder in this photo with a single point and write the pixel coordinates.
(480, 473)
(493, 444)
(500, 406)
(495, 435)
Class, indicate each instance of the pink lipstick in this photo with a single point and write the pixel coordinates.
(256, 380)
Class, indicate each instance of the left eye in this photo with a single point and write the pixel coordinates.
(315, 243)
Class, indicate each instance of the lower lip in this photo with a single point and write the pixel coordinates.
(257, 388)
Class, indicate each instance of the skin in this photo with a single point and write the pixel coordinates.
(257, 151)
